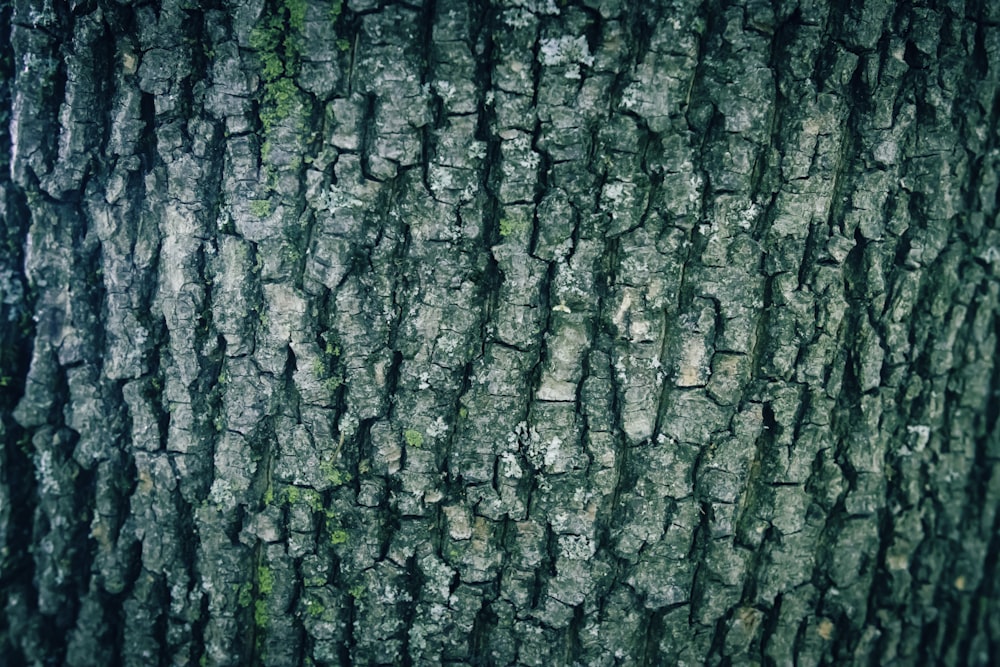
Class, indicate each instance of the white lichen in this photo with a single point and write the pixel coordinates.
(573, 52)
(922, 433)
(437, 428)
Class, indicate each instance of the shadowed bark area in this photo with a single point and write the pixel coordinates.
(530, 332)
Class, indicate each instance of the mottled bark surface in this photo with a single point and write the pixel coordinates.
(530, 332)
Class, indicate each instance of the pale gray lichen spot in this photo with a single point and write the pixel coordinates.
(568, 50)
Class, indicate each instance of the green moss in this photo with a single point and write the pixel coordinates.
(314, 582)
(315, 608)
(413, 438)
(357, 591)
(282, 93)
(265, 580)
(325, 368)
(267, 38)
(509, 227)
(244, 596)
(334, 475)
(280, 99)
(313, 498)
(277, 40)
(344, 44)
(338, 537)
(272, 68)
(265, 585)
(296, 14)
(260, 613)
(294, 253)
(260, 208)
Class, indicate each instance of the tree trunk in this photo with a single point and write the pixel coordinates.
(531, 332)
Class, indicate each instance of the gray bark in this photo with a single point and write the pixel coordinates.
(502, 333)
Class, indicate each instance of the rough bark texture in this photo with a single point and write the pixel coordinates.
(528, 332)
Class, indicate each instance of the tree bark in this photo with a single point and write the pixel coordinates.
(503, 333)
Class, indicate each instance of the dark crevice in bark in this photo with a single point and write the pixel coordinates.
(750, 534)
(980, 622)
(536, 71)
(640, 26)
(18, 330)
(363, 440)
(101, 59)
(699, 107)
(848, 412)
(18, 475)
(479, 637)
(542, 185)
(534, 374)
(605, 528)
(961, 632)
(717, 649)
(769, 627)
(953, 618)
(578, 402)
(159, 598)
(13, 241)
(261, 444)
(483, 27)
(392, 376)
(56, 86)
(880, 594)
(592, 32)
(574, 647)
(199, 50)
(652, 634)
(816, 234)
(762, 342)
(390, 515)
(414, 582)
(425, 39)
(545, 570)
(367, 132)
